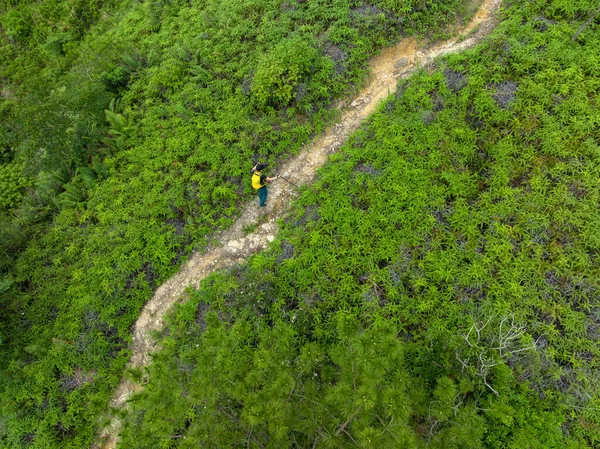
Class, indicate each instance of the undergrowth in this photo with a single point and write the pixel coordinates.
(436, 287)
(127, 130)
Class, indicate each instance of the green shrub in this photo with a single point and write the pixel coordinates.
(279, 72)
(18, 24)
(12, 185)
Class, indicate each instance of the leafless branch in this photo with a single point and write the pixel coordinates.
(343, 426)
(585, 25)
(493, 348)
(350, 436)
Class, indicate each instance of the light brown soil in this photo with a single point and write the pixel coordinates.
(5, 92)
(234, 246)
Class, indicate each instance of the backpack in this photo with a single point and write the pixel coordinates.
(256, 180)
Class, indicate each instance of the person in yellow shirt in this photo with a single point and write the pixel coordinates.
(259, 182)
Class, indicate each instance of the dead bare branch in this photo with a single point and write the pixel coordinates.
(493, 348)
(585, 25)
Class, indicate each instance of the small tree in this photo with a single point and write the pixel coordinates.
(280, 70)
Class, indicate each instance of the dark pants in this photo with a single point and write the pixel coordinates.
(262, 195)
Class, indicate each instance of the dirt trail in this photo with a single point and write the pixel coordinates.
(234, 246)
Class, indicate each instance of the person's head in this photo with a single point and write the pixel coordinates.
(260, 167)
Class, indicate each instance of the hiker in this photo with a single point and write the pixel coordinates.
(259, 182)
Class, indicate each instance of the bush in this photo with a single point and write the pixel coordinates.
(281, 70)
(12, 185)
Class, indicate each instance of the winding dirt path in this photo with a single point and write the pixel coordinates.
(233, 245)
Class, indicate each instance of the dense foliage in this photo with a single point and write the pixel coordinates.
(126, 133)
(438, 286)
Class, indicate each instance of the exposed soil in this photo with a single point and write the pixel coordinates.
(234, 246)
(5, 92)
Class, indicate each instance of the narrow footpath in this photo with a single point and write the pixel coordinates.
(234, 245)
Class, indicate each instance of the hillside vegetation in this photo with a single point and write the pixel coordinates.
(127, 130)
(438, 285)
